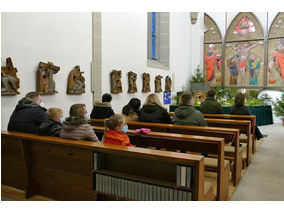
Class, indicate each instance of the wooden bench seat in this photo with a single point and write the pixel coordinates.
(250, 118)
(230, 135)
(185, 143)
(64, 169)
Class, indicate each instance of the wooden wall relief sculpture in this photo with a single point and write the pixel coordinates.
(76, 81)
(158, 84)
(10, 83)
(132, 87)
(146, 82)
(275, 53)
(168, 84)
(116, 86)
(212, 52)
(45, 82)
(244, 52)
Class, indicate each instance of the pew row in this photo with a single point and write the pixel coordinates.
(250, 118)
(243, 126)
(64, 169)
(230, 135)
(188, 143)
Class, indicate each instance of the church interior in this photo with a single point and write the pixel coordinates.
(69, 58)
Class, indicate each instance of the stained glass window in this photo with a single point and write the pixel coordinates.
(154, 36)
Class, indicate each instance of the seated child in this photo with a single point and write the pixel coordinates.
(115, 131)
(52, 126)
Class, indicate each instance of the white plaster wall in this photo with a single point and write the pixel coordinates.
(64, 39)
(124, 47)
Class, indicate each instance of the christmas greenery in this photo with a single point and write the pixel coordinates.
(279, 105)
(198, 78)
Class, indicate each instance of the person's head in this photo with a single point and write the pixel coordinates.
(211, 93)
(132, 107)
(106, 97)
(152, 99)
(55, 114)
(35, 96)
(78, 110)
(240, 100)
(186, 99)
(116, 122)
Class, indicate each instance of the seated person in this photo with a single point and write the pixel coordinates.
(116, 129)
(102, 110)
(153, 111)
(240, 109)
(28, 114)
(131, 110)
(210, 105)
(186, 114)
(52, 126)
(76, 126)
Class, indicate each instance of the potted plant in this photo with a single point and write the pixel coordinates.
(278, 106)
(198, 83)
(265, 99)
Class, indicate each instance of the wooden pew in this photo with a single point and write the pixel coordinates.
(244, 127)
(184, 143)
(251, 118)
(230, 135)
(65, 169)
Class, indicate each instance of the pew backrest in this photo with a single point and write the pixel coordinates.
(74, 170)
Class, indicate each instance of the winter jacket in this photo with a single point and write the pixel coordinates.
(102, 110)
(210, 106)
(49, 128)
(27, 116)
(243, 110)
(154, 114)
(187, 115)
(116, 137)
(77, 128)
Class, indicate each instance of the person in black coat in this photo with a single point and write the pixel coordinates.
(28, 114)
(153, 112)
(102, 110)
(240, 109)
(52, 126)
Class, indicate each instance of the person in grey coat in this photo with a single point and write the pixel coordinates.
(76, 126)
(186, 114)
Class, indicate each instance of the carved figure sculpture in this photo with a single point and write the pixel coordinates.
(158, 84)
(168, 84)
(76, 81)
(278, 62)
(45, 82)
(242, 50)
(146, 82)
(10, 83)
(132, 82)
(116, 86)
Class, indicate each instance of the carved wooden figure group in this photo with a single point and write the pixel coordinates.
(158, 84)
(146, 82)
(116, 86)
(76, 81)
(132, 82)
(10, 83)
(45, 82)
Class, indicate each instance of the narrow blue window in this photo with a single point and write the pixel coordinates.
(154, 35)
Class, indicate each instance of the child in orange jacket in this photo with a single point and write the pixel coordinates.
(116, 129)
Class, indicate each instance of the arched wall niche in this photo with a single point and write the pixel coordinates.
(212, 52)
(275, 52)
(244, 52)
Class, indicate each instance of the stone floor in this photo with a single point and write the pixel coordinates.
(264, 178)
